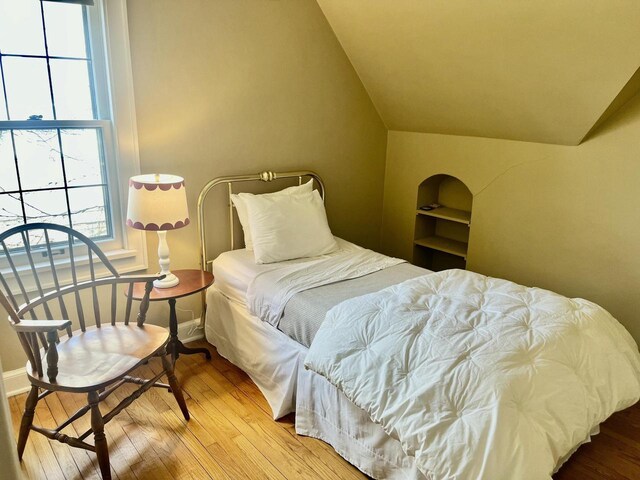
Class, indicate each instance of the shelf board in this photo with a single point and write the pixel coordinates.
(452, 214)
(446, 245)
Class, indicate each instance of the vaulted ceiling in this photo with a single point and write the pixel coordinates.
(541, 71)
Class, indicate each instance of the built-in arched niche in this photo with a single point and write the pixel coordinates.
(441, 236)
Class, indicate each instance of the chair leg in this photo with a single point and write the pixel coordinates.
(97, 425)
(27, 420)
(175, 385)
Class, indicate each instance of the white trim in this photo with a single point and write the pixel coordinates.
(53, 124)
(8, 457)
(16, 381)
(123, 115)
(190, 331)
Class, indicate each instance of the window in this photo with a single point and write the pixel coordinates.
(52, 134)
(67, 121)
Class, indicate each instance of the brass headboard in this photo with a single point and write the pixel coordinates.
(266, 176)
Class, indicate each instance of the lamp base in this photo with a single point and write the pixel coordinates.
(167, 282)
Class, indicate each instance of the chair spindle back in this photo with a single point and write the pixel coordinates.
(33, 289)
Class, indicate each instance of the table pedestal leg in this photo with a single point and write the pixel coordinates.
(175, 346)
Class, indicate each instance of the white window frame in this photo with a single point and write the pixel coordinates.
(111, 60)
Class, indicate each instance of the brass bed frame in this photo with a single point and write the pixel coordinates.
(266, 176)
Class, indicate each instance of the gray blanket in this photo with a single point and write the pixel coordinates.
(305, 312)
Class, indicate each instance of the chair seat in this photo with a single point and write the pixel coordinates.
(95, 358)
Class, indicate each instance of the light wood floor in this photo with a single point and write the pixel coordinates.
(231, 435)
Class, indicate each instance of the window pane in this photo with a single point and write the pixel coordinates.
(27, 83)
(21, 27)
(71, 89)
(65, 29)
(39, 161)
(88, 212)
(8, 177)
(48, 206)
(10, 216)
(82, 158)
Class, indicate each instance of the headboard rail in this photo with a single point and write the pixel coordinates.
(265, 176)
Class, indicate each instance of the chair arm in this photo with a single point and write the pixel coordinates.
(144, 303)
(40, 326)
(50, 327)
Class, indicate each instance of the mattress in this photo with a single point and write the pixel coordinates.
(305, 312)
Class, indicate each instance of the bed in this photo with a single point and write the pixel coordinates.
(273, 345)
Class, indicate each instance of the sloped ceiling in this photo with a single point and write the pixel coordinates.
(540, 71)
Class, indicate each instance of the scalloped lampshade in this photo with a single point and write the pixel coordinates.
(157, 202)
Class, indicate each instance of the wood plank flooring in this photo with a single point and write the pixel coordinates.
(231, 435)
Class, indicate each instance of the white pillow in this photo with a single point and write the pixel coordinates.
(284, 227)
(241, 208)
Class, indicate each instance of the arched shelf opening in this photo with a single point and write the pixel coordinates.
(443, 222)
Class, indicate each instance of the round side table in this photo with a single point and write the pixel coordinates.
(191, 281)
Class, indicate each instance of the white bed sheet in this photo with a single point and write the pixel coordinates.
(236, 269)
(275, 363)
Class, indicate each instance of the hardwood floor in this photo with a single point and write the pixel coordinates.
(231, 435)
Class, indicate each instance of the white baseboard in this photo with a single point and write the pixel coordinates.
(16, 381)
(190, 331)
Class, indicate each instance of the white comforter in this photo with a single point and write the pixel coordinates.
(479, 378)
(270, 290)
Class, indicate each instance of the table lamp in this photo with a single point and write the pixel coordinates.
(158, 202)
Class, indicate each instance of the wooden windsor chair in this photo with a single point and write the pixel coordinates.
(95, 359)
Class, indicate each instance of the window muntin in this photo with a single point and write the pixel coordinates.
(53, 146)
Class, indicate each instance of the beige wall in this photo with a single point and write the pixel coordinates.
(238, 86)
(563, 218)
